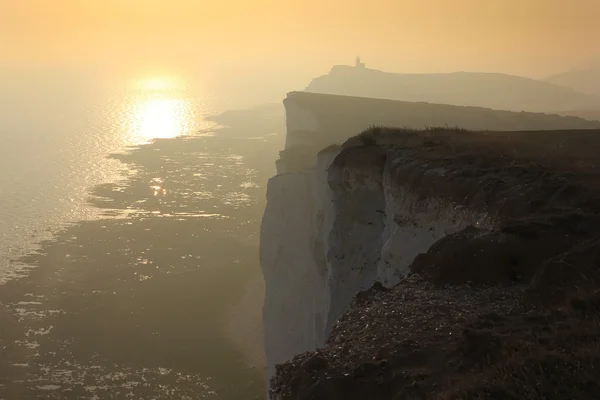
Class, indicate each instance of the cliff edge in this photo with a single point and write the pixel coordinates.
(443, 264)
(315, 121)
(340, 218)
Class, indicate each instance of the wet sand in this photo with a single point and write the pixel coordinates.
(139, 304)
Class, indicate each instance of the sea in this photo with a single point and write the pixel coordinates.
(129, 218)
(55, 135)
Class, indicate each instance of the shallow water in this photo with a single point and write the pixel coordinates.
(130, 297)
(55, 135)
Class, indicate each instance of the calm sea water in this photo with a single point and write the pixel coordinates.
(142, 257)
(55, 133)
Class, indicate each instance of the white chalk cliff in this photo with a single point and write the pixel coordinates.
(335, 222)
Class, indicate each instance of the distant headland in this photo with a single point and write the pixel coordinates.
(490, 90)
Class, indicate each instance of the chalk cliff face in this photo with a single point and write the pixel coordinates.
(333, 231)
(337, 220)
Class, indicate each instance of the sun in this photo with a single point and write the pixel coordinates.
(158, 118)
(157, 107)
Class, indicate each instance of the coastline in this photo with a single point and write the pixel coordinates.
(139, 301)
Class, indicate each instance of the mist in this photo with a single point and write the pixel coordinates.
(145, 144)
(268, 47)
(233, 39)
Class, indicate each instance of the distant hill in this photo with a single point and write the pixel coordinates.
(489, 90)
(584, 81)
(592, 115)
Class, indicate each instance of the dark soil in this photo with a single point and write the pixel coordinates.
(419, 341)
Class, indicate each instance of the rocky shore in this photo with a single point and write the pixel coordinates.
(501, 310)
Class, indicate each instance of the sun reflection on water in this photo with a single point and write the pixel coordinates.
(160, 109)
(159, 118)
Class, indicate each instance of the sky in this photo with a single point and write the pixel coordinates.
(287, 40)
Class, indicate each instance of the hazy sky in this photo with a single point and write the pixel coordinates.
(224, 37)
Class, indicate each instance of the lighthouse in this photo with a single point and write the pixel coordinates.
(359, 64)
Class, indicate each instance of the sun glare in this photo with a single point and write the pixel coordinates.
(160, 108)
(158, 118)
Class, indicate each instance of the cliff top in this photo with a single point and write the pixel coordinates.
(536, 174)
(567, 150)
(509, 312)
(419, 114)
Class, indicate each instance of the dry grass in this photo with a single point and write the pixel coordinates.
(567, 150)
(540, 356)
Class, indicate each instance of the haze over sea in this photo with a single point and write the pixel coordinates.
(56, 133)
(128, 239)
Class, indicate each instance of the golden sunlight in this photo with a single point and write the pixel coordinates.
(160, 107)
(158, 118)
(159, 84)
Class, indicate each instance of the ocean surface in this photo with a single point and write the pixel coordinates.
(128, 234)
(55, 134)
